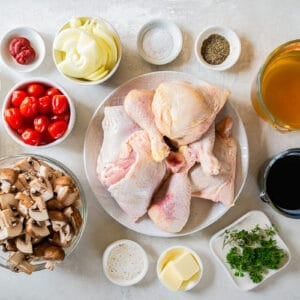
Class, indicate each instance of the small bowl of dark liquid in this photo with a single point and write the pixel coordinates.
(279, 181)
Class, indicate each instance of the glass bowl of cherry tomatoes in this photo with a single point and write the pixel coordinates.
(38, 113)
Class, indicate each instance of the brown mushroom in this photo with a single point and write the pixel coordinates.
(7, 179)
(38, 210)
(74, 217)
(9, 245)
(41, 187)
(49, 252)
(58, 219)
(9, 226)
(18, 263)
(36, 231)
(63, 180)
(8, 201)
(24, 245)
(54, 204)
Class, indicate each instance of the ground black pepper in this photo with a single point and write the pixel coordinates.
(215, 49)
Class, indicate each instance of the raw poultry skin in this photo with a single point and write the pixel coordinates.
(133, 178)
(218, 188)
(138, 105)
(183, 112)
(117, 127)
(170, 208)
(203, 149)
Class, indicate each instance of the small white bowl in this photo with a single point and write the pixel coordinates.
(230, 36)
(21, 85)
(114, 33)
(125, 262)
(36, 42)
(173, 252)
(159, 41)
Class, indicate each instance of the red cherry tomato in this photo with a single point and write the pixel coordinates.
(59, 104)
(52, 91)
(13, 117)
(46, 138)
(31, 137)
(44, 106)
(36, 90)
(17, 97)
(57, 129)
(62, 117)
(29, 107)
(40, 123)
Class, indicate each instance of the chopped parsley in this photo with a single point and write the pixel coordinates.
(253, 252)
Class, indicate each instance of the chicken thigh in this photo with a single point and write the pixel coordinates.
(138, 104)
(133, 178)
(218, 188)
(117, 127)
(183, 112)
(170, 208)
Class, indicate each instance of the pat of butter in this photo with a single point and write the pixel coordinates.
(186, 266)
(170, 277)
(179, 271)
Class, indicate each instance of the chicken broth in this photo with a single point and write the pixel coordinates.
(281, 89)
(283, 183)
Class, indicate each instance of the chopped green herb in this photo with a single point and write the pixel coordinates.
(254, 251)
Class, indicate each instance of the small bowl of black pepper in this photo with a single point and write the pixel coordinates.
(217, 48)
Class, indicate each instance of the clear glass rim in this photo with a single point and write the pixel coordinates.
(83, 209)
(277, 51)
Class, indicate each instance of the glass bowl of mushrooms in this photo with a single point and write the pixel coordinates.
(42, 212)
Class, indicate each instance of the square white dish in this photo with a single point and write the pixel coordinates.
(247, 222)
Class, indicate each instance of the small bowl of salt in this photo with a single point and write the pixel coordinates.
(159, 41)
(125, 262)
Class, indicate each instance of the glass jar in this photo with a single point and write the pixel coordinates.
(275, 94)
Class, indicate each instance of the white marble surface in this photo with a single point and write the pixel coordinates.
(262, 25)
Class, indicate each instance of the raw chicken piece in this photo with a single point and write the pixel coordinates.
(204, 152)
(133, 178)
(138, 104)
(117, 127)
(218, 188)
(183, 112)
(170, 209)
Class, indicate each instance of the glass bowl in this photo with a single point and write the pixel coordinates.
(9, 161)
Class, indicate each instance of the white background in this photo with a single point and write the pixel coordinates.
(262, 26)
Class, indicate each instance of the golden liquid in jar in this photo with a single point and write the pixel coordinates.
(280, 89)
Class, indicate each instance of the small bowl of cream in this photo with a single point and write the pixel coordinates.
(125, 262)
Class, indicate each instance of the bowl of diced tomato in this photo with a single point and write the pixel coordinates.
(38, 113)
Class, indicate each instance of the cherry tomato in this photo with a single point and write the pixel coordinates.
(52, 91)
(57, 129)
(31, 137)
(59, 104)
(13, 117)
(62, 117)
(46, 138)
(17, 97)
(40, 123)
(29, 107)
(36, 90)
(44, 105)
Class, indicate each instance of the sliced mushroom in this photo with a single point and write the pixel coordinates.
(41, 187)
(10, 226)
(74, 217)
(64, 180)
(21, 183)
(9, 245)
(54, 204)
(66, 194)
(18, 263)
(23, 164)
(63, 237)
(25, 199)
(58, 219)
(7, 179)
(36, 231)
(24, 245)
(38, 211)
(8, 200)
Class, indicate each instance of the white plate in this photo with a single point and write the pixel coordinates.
(247, 222)
(203, 213)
